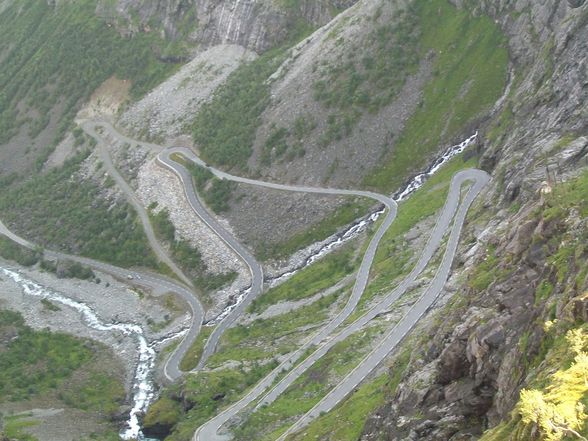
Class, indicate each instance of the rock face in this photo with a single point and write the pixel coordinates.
(477, 358)
(254, 24)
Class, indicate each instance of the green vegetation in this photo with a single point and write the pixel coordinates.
(203, 395)
(65, 269)
(346, 421)
(287, 144)
(544, 290)
(215, 192)
(61, 210)
(225, 128)
(469, 75)
(14, 428)
(393, 256)
(55, 56)
(485, 272)
(270, 421)
(35, 363)
(371, 75)
(264, 339)
(343, 215)
(94, 390)
(12, 251)
(164, 412)
(553, 404)
(310, 281)
(192, 357)
(187, 256)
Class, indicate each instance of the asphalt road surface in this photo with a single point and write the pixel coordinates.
(209, 431)
(453, 211)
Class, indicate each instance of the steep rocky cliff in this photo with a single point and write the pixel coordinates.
(524, 278)
(254, 24)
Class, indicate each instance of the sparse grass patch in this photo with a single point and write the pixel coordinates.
(15, 428)
(267, 338)
(205, 393)
(270, 421)
(369, 77)
(309, 281)
(346, 421)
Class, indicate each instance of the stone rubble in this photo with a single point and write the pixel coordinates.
(155, 184)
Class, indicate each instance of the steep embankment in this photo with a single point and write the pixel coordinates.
(348, 105)
(53, 57)
(517, 319)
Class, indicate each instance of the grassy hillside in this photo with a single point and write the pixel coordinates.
(53, 57)
(469, 75)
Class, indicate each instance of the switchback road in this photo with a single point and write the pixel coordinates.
(209, 431)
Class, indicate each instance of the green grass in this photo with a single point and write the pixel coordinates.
(59, 210)
(215, 192)
(309, 281)
(204, 394)
(15, 428)
(343, 215)
(12, 251)
(224, 129)
(36, 361)
(347, 420)
(469, 75)
(40, 363)
(192, 357)
(264, 339)
(270, 421)
(56, 56)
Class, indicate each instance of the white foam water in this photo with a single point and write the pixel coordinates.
(419, 180)
(143, 387)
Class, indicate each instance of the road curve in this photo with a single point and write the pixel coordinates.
(403, 327)
(209, 431)
(144, 279)
(254, 266)
(131, 197)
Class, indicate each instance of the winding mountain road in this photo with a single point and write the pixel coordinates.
(410, 319)
(132, 198)
(453, 211)
(254, 266)
(209, 431)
